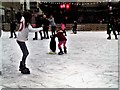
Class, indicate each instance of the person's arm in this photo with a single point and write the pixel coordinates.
(31, 29)
(21, 26)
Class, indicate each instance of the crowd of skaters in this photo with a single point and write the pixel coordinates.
(41, 24)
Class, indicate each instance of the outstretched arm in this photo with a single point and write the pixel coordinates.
(31, 29)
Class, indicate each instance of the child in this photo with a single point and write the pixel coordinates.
(23, 31)
(62, 40)
(63, 28)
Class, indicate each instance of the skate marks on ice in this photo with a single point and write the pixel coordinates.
(91, 62)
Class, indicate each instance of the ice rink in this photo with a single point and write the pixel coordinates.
(91, 62)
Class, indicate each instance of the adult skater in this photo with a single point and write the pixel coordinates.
(111, 27)
(38, 24)
(12, 23)
(23, 31)
(75, 27)
(45, 27)
(53, 24)
(62, 40)
(12, 29)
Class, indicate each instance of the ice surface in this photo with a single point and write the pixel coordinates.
(91, 62)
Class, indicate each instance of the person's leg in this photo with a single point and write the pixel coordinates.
(115, 34)
(11, 34)
(47, 33)
(54, 28)
(109, 33)
(15, 34)
(60, 48)
(73, 30)
(11, 31)
(44, 31)
(64, 45)
(41, 35)
(24, 50)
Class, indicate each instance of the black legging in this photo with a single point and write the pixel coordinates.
(24, 50)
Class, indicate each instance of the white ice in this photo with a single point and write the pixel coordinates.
(91, 62)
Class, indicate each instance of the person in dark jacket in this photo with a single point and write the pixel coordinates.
(62, 40)
(111, 27)
(38, 20)
(75, 27)
(45, 27)
(13, 28)
(118, 26)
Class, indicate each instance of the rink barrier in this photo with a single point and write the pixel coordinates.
(80, 27)
(86, 27)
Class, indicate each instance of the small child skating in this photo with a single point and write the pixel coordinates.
(63, 28)
(62, 40)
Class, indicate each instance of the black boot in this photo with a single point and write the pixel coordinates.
(116, 37)
(65, 51)
(61, 52)
(23, 68)
(109, 37)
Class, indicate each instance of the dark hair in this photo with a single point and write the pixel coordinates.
(27, 16)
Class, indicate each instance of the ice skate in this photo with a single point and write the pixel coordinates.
(61, 52)
(23, 68)
(65, 51)
(25, 71)
(109, 38)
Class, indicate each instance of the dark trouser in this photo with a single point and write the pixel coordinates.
(36, 36)
(24, 50)
(45, 31)
(53, 29)
(113, 33)
(12, 32)
(74, 30)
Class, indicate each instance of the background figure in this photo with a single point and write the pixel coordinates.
(118, 26)
(12, 29)
(12, 23)
(75, 27)
(63, 28)
(45, 27)
(111, 27)
(53, 24)
(18, 16)
(38, 20)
